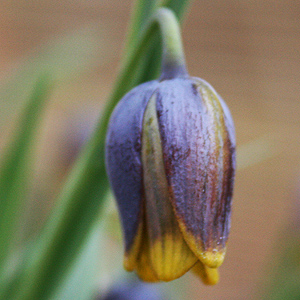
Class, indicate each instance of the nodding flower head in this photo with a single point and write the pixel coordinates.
(170, 156)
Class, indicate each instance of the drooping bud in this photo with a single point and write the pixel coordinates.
(170, 156)
(171, 162)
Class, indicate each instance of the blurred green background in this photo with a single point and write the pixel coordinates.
(248, 50)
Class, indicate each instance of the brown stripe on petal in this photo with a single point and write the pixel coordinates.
(221, 171)
(169, 253)
(220, 174)
(198, 158)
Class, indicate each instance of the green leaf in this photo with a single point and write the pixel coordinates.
(81, 200)
(142, 12)
(282, 275)
(179, 7)
(80, 284)
(82, 281)
(63, 57)
(67, 230)
(16, 166)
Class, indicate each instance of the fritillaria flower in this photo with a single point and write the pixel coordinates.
(170, 156)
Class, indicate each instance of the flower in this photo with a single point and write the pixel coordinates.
(170, 156)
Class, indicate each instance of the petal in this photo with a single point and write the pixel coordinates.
(131, 255)
(123, 163)
(198, 152)
(169, 254)
(220, 178)
(209, 276)
(143, 266)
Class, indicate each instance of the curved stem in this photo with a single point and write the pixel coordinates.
(173, 60)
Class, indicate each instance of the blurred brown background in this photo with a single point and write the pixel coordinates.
(248, 50)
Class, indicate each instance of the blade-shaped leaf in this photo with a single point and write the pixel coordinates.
(81, 200)
(15, 166)
(82, 279)
(282, 275)
(67, 230)
(142, 12)
(179, 7)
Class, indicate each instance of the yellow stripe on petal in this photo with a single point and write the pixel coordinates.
(169, 253)
(143, 266)
(212, 258)
(171, 257)
(130, 257)
(209, 276)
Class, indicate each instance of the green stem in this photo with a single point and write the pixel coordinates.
(173, 60)
(150, 65)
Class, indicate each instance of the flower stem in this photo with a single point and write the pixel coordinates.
(173, 60)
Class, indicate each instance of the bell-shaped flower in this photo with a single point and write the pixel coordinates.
(171, 161)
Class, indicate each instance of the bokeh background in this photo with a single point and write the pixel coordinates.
(248, 50)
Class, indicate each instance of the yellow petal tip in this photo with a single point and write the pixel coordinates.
(170, 257)
(128, 264)
(209, 276)
(212, 259)
(212, 276)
